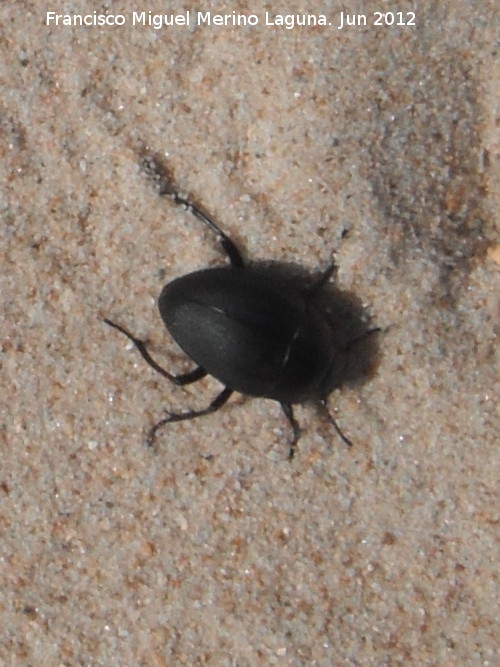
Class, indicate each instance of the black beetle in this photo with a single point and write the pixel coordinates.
(253, 331)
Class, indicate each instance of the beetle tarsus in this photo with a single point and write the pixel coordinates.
(333, 422)
(215, 405)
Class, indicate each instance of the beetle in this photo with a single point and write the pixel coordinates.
(256, 332)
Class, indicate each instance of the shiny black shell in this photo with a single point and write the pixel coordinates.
(255, 333)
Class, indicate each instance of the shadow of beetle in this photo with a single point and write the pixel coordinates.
(265, 330)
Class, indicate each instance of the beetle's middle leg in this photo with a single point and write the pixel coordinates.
(288, 410)
(217, 403)
(182, 379)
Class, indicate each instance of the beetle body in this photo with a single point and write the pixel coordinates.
(256, 332)
(252, 331)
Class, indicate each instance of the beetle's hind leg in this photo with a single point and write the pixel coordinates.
(331, 270)
(182, 379)
(217, 403)
(226, 242)
(288, 410)
(155, 167)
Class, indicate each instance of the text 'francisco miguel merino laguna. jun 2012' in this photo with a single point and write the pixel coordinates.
(233, 19)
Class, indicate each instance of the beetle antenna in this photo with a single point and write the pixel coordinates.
(361, 337)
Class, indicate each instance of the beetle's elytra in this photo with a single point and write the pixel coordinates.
(255, 332)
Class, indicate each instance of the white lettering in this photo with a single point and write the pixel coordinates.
(226, 19)
(85, 19)
(158, 21)
(289, 21)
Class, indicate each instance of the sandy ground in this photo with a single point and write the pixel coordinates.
(212, 548)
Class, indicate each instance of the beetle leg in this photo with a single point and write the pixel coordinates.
(182, 379)
(288, 410)
(334, 423)
(155, 167)
(321, 281)
(227, 244)
(217, 403)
